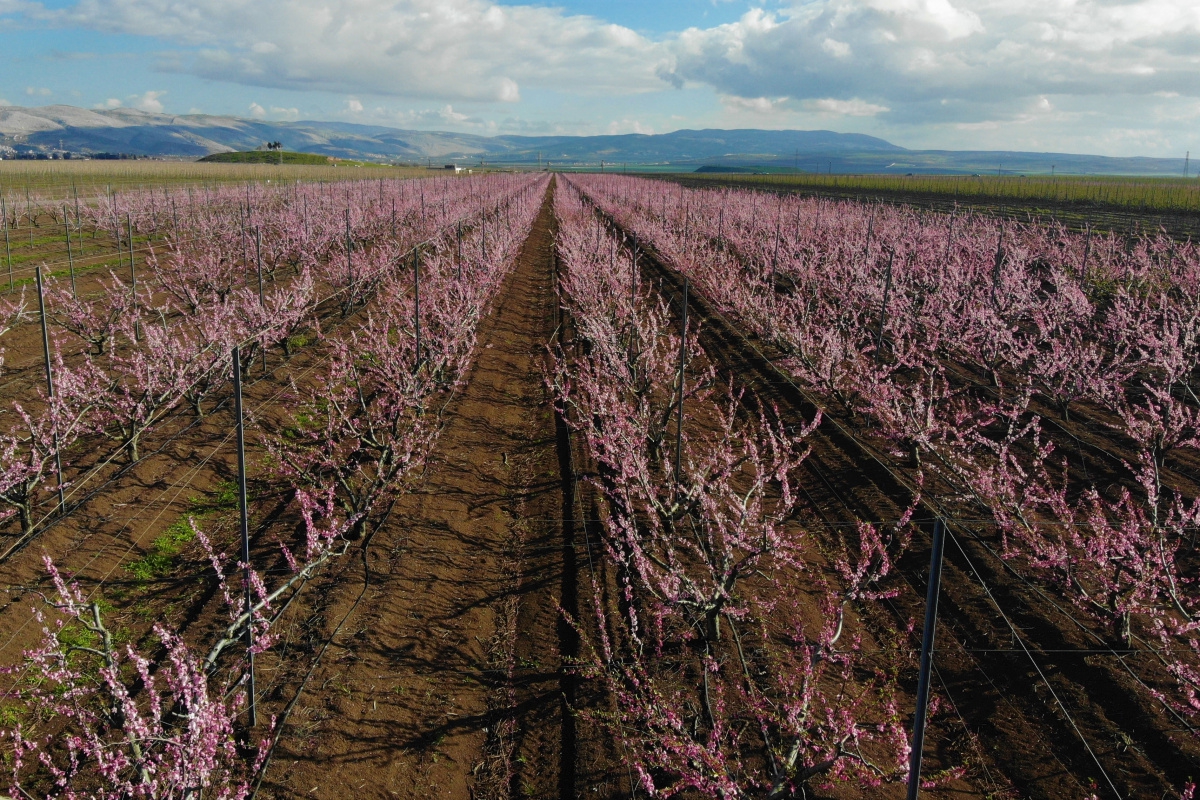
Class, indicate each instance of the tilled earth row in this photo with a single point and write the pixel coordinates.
(445, 674)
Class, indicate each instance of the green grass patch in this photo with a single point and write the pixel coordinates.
(163, 553)
(223, 498)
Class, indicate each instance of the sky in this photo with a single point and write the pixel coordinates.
(1109, 77)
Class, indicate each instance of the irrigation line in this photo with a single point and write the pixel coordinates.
(1017, 638)
(95, 469)
(967, 729)
(423, 243)
(1120, 655)
(825, 522)
(839, 497)
(179, 488)
(143, 252)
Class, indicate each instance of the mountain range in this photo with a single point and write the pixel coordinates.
(58, 128)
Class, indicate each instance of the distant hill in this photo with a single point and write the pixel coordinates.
(267, 157)
(123, 130)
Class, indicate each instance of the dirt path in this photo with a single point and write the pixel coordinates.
(443, 678)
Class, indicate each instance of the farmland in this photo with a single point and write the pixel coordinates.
(63, 180)
(593, 485)
(1104, 202)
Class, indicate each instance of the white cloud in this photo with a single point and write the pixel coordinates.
(257, 111)
(4, 102)
(846, 108)
(435, 118)
(628, 126)
(444, 49)
(38, 91)
(835, 48)
(108, 104)
(285, 113)
(354, 106)
(756, 105)
(989, 58)
(147, 102)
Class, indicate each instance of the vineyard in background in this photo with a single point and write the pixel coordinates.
(1142, 195)
(767, 402)
(58, 180)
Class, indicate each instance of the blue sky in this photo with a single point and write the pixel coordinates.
(1113, 77)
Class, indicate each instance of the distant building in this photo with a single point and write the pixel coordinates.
(454, 167)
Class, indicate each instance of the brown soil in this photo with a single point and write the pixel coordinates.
(445, 670)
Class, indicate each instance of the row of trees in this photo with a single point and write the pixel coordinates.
(989, 354)
(731, 645)
(103, 718)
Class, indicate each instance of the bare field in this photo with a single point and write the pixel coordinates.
(61, 178)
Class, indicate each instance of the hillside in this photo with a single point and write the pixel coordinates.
(53, 128)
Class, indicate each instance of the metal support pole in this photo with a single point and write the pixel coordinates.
(245, 520)
(70, 255)
(999, 262)
(417, 304)
(887, 290)
(931, 604)
(262, 303)
(78, 223)
(129, 231)
(137, 323)
(7, 243)
(258, 261)
(62, 499)
(117, 236)
(679, 404)
(349, 267)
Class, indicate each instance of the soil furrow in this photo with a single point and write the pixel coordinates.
(447, 677)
